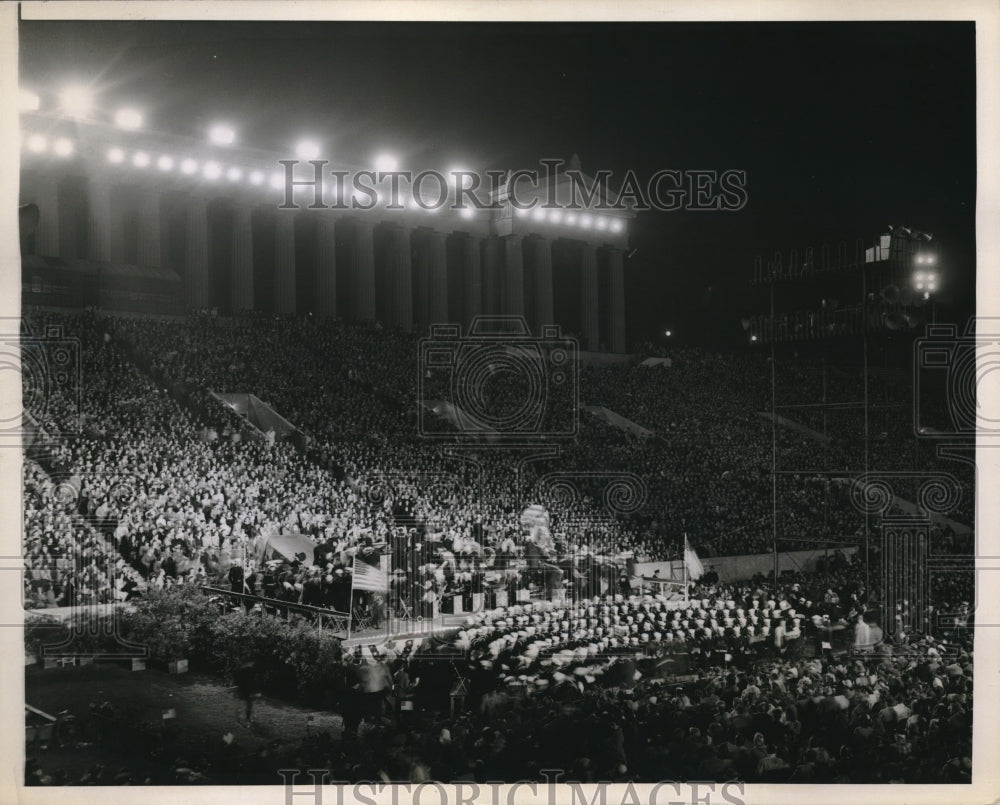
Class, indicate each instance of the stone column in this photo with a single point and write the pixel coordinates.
(123, 218)
(512, 287)
(326, 265)
(437, 254)
(589, 304)
(363, 271)
(541, 258)
(400, 276)
(491, 276)
(148, 251)
(472, 277)
(284, 262)
(196, 251)
(242, 258)
(421, 307)
(99, 221)
(44, 192)
(616, 300)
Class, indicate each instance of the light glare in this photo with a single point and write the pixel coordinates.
(385, 163)
(189, 166)
(37, 143)
(76, 101)
(128, 119)
(212, 170)
(221, 135)
(307, 149)
(116, 156)
(63, 147)
(165, 163)
(234, 174)
(141, 159)
(256, 177)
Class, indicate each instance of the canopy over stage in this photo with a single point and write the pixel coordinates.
(288, 546)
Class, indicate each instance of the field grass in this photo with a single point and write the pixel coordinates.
(153, 748)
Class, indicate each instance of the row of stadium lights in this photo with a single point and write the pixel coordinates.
(583, 220)
(76, 101)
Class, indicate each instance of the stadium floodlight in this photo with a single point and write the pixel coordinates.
(538, 214)
(930, 259)
(28, 101)
(165, 163)
(128, 119)
(37, 143)
(617, 225)
(76, 100)
(386, 163)
(221, 134)
(189, 166)
(63, 147)
(234, 174)
(571, 218)
(212, 170)
(455, 176)
(602, 222)
(116, 156)
(586, 221)
(668, 333)
(256, 177)
(141, 159)
(753, 338)
(307, 149)
(555, 216)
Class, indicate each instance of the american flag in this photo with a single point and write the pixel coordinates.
(369, 577)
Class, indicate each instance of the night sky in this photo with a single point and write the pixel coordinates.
(841, 128)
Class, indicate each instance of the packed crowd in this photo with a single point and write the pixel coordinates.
(187, 489)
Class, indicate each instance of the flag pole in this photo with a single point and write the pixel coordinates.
(350, 606)
(684, 563)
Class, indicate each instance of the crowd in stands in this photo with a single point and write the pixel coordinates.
(187, 488)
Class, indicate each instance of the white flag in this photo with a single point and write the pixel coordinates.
(695, 569)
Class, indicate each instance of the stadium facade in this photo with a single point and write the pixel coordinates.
(142, 221)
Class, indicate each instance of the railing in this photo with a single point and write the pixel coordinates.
(335, 621)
